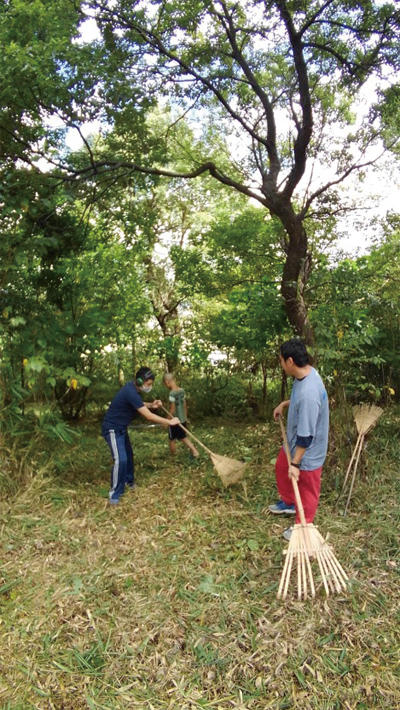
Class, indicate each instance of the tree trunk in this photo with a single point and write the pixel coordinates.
(296, 270)
(170, 327)
(81, 403)
(133, 353)
(264, 386)
(284, 387)
(293, 284)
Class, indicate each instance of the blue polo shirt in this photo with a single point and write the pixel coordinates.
(123, 408)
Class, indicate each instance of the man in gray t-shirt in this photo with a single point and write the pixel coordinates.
(308, 418)
(307, 431)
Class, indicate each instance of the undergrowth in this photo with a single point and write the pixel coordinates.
(169, 599)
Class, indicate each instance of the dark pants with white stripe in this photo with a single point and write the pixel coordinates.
(122, 471)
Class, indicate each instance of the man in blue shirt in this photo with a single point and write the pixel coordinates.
(127, 405)
(307, 433)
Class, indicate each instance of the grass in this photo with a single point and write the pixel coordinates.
(168, 600)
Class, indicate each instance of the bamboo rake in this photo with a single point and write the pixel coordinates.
(356, 452)
(365, 417)
(306, 543)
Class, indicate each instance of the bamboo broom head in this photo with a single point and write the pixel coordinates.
(305, 545)
(229, 470)
(365, 416)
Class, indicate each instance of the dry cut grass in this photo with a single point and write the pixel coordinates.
(168, 600)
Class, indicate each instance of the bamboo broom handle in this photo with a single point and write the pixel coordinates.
(353, 478)
(349, 466)
(294, 482)
(189, 433)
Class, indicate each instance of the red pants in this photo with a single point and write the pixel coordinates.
(309, 487)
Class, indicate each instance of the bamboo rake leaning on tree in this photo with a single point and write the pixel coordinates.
(229, 470)
(365, 417)
(307, 543)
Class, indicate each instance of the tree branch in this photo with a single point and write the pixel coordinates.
(151, 38)
(352, 169)
(237, 54)
(305, 131)
(103, 166)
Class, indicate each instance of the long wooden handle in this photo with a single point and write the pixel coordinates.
(294, 482)
(349, 466)
(353, 478)
(188, 432)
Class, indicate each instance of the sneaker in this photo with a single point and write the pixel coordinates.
(131, 486)
(114, 501)
(280, 507)
(287, 534)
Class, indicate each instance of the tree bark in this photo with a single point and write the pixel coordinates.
(294, 280)
(297, 267)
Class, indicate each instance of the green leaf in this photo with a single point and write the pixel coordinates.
(17, 320)
(35, 364)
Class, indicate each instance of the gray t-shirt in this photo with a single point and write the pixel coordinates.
(309, 416)
(178, 398)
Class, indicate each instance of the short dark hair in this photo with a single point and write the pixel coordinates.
(295, 349)
(143, 374)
